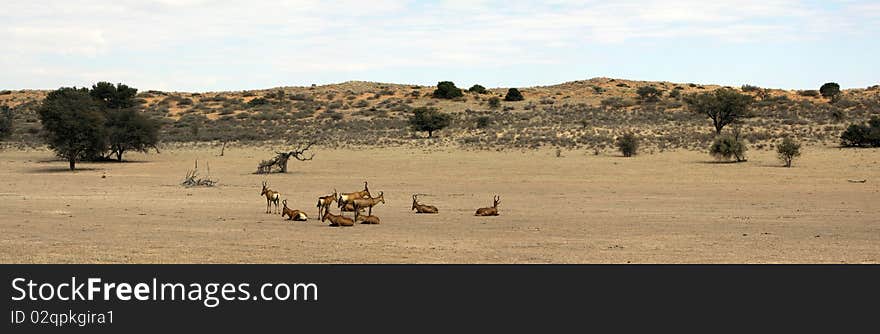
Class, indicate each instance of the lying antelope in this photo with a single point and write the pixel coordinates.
(349, 207)
(293, 214)
(337, 220)
(364, 219)
(272, 197)
(422, 208)
(347, 198)
(493, 211)
(325, 201)
(369, 203)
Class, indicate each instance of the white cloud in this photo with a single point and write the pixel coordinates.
(313, 36)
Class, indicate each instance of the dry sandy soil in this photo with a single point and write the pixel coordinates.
(672, 207)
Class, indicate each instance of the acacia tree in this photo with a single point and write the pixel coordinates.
(127, 129)
(73, 124)
(723, 106)
(447, 90)
(830, 90)
(119, 96)
(649, 93)
(513, 94)
(478, 89)
(429, 119)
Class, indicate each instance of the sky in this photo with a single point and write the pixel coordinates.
(197, 46)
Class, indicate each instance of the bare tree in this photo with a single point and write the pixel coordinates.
(281, 159)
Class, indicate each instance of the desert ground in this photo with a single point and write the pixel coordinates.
(671, 207)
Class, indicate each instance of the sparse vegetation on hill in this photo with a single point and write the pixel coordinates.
(5, 122)
(362, 113)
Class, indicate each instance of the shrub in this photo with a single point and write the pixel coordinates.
(483, 122)
(5, 122)
(788, 150)
(429, 119)
(478, 89)
(727, 147)
(616, 102)
(494, 102)
(809, 93)
(257, 102)
(185, 102)
(447, 90)
(513, 94)
(830, 90)
(860, 135)
(675, 94)
(628, 144)
(649, 93)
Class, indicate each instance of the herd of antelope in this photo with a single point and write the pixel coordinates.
(355, 202)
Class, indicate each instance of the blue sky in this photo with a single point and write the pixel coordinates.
(195, 45)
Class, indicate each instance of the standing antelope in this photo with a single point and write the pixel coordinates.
(337, 220)
(325, 201)
(364, 219)
(347, 198)
(422, 208)
(272, 197)
(368, 203)
(493, 211)
(293, 214)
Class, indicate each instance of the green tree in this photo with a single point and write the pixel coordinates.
(128, 130)
(478, 89)
(723, 106)
(429, 119)
(73, 123)
(513, 94)
(830, 90)
(447, 90)
(113, 97)
(860, 135)
(649, 93)
(788, 150)
(5, 122)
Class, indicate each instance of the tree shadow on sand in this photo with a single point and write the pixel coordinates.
(61, 169)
